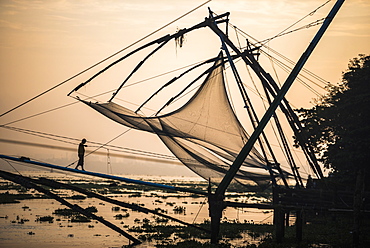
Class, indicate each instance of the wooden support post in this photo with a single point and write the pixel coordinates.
(357, 205)
(299, 225)
(279, 216)
(216, 205)
(279, 221)
(277, 100)
(287, 213)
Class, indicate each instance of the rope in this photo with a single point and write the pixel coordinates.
(237, 37)
(318, 78)
(101, 94)
(42, 135)
(102, 146)
(282, 32)
(236, 29)
(312, 24)
(109, 165)
(325, 82)
(118, 148)
(12, 166)
(281, 64)
(275, 72)
(100, 62)
(201, 206)
(108, 142)
(287, 69)
(266, 218)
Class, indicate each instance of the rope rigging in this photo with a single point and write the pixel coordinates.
(102, 61)
(247, 36)
(223, 160)
(283, 32)
(91, 98)
(74, 141)
(251, 112)
(236, 29)
(162, 41)
(290, 113)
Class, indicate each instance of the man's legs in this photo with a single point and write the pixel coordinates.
(80, 163)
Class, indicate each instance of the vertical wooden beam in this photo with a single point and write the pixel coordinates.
(276, 102)
(299, 225)
(216, 206)
(279, 216)
(357, 205)
(287, 214)
(279, 221)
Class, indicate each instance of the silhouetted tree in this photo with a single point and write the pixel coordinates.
(338, 127)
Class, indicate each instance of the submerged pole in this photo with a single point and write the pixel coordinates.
(216, 206)
(216, 202)
(24, 181)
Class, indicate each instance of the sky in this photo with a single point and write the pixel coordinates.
(44, 43)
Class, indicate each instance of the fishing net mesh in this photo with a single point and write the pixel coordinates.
(204, 134)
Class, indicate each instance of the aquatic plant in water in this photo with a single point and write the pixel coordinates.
(45, 219)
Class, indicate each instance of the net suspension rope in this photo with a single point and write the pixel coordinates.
(74, 103)
(236, 29)
(105, 59)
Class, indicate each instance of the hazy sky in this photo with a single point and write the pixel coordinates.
(43, 43)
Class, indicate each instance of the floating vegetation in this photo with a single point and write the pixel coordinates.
(179, 210)
(121, 216)
(78, 197)
(14, 198)
(91, 209)
(167, 235)
(161, 231)
(45, 219)
(67, 212)
(113, 184)
(74, 215)
(160, 210)
(80, 218)
(115, 208)
(136, 194)
(160, 220)
(22, 221)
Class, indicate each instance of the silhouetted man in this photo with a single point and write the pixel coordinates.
(81, 154)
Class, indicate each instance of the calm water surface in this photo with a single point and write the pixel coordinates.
(19, 228)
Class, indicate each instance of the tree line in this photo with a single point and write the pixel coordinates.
(338, 126)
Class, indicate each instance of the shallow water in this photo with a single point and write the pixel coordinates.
(20, 228)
